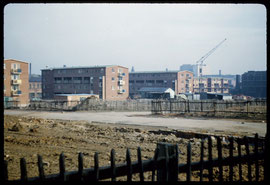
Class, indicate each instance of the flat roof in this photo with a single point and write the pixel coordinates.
(74, 94)
(83, 67)
(176, 71)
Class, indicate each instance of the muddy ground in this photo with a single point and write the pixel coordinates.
(28, 136)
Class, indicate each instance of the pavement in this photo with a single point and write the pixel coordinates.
(146, 119)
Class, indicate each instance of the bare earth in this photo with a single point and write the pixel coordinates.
(28, 133)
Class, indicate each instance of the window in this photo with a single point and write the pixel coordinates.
(15, 66)
(58, 80)
(120, 70)
(15, 77)
(80, 71)
(113, 70)
(113, 79)
(91, 80)
(86, 80)
(67, 80)
(15, 87)
(113, 88)
(77, 80)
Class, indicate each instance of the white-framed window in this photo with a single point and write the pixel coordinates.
(120, 70)
(15, 87)
(113, 88)
(15, 66)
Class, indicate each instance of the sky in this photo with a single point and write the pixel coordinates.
(150, 37)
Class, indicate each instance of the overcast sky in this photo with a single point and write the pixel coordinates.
(146, 36)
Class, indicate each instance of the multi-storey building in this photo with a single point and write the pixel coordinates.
(109, 82)
(254, 84)
(35, 91)
(16, 84)
(179, 81)
(213, 85)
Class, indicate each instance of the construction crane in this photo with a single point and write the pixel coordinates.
(200, 63)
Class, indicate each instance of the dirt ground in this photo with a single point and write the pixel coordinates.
(28, 136)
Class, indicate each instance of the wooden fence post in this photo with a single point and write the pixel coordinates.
(23, 170)
(155, 165)
(40, 168)
(80, 166)
(96, 167)
(168, 152)
(188, 162)
(219, 146)
(129, 167)
(113, 171)
(62, 167)
(140, 164)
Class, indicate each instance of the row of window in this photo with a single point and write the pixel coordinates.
(149, 81)
(34, 86)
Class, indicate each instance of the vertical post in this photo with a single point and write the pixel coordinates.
(129, 167)
(249, 164)
(40, 168)
(188, 106)
(256, 157)
(113, 171)
(167, 155)
(214, 104)
(219, 146)
(140, 164)
(23, 170)
(96, 167)
(201, 161)
(80, 166)
(201, 106)
(62, 167)
(247, 107)
(240, 160)
(188, 162)
(155, 166)
(210, 168)
(231, 157)
(174, 169)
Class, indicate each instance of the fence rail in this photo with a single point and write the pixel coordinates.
(258, 107)
(164, 165)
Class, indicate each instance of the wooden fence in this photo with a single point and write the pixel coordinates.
(248, 108)
(165, 164)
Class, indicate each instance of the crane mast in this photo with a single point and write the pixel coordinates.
(200, 63)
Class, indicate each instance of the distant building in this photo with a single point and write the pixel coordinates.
(35, 90)
(211, 85)
(178, 81)
(254, 84)
(109, 82)
(156, 93)
(195, 69)
(16, 82)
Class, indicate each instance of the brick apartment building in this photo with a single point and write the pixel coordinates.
(16, 81)
(35, 90)
(110, 82)
(179, 81)
(212, 84)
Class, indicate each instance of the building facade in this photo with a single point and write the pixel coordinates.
(213, 85)
(254, 84)
(35, 90)
(109, 82)
(179, 81)
(16, 81)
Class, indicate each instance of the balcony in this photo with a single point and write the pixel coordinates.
(16, 71)
(121, 82)
(16, 92)
(16, 82)
(121, 91)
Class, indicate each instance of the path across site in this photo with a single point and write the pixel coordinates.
(145, 119)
